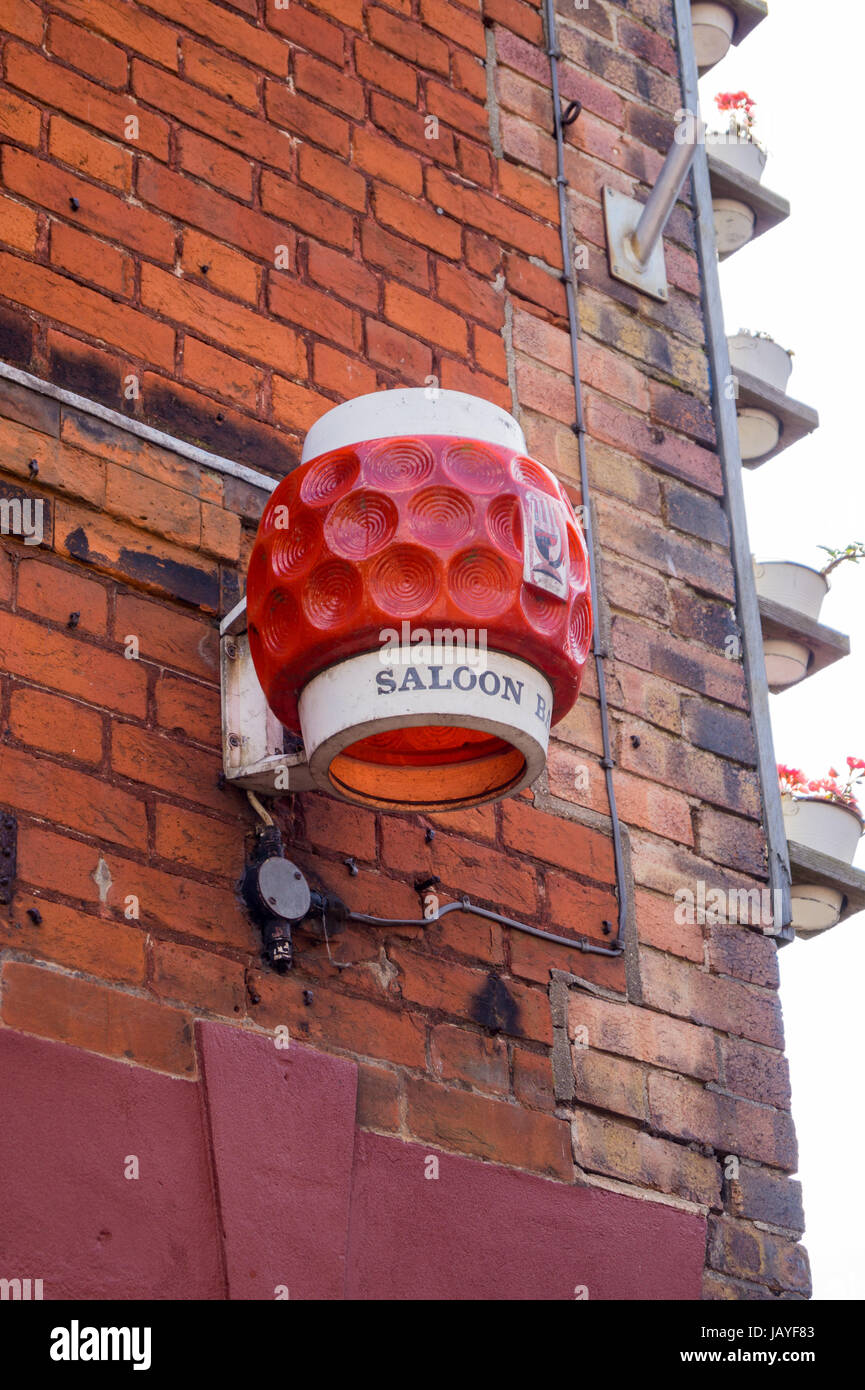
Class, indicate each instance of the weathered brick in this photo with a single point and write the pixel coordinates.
(109, 1021)
(604, 1145)
(493, 1129)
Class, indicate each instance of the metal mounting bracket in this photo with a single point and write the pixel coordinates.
(635, 231)
(255, 751)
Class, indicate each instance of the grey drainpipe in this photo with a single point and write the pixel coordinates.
(724, 409)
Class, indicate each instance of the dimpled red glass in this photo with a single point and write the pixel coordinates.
(425, 530)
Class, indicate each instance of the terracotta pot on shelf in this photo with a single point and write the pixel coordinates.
(801, 589)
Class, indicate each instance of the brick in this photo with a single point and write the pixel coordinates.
(82, 255)
(306, 118)
(528, 191)
(717, 1001)
(340, 1020)
(418, 222)
(581, 909)
(456, 376)
(251, 43)
(210, 316)
(77, 668)
(220, 217)
(228, 270)
(455, 24)
(657, 926)
(307, 30)
(758, 1194)
(85, 101)
(533, 1079)
(205, 159)
(221, 533)
(746, 954)
(380, 69)
(437, 984)
(188, 708)
(87, 52)
(57, 298)
(24, 19)
(76, 940)
(98, 1019)
(234, 81)
(337, 89)
(638, 1033)
(296, 407)
(78, 366)
(346, 376)
(56, 725)
(719, 730)
(125, 23)
(408, 39)
(383, 160)
(462, 865)
(62, 865)
(666, 452)
(684, 1109)
(129, 554)
(399, 258)
(474, 297)
(192, 106)
(197, 978)
(610, 1083)
(185, 643)
(557, 841)
(520, 19)
(19, 120)
(347, 278)
(733, 841)
(153, 506)
(748, 1253)
(307, 211)
(409, 359)
(179, 768)
(314, 309)
(76, 800)
(18, 226)
(458, 1120)
(96, 437)
(333, 177)
(338, 827)
(378, 1095)
(103, 213)
(756, 1072)
(458, 111)
(479, 1061)
(415, 312)
(483, 211)
(604, 1145)
(678, 661)
(222, 375)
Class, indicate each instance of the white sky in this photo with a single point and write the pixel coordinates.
(803, 284)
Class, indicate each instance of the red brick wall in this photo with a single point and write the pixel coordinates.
(156, 258)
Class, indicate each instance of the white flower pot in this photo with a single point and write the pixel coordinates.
(744, 156)
(713, 27)
(828, 827)
(786, 662)
(734, 224)
(761, 357)
(795, 586)
(759, 432)
(815, 908)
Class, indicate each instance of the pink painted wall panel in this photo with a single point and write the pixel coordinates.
(68, 1122)
(282, 1133)
(484, 1232)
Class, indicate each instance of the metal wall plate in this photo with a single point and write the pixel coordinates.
(253, 740)
(621, 215)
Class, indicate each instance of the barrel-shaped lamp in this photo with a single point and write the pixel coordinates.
(418, 602)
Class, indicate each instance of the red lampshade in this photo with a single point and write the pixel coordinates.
(389, 539)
